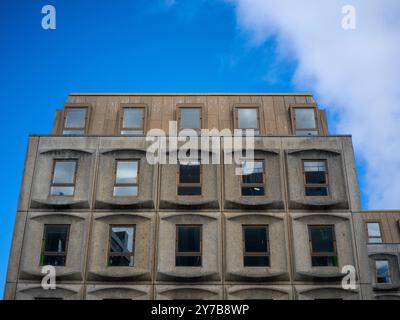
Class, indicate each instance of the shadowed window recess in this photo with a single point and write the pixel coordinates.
(315, 177)
(188, 245)
(133, 119)
(54, 246)
(189, 118)
(374, 232)
(305, 121)
(75, 120)
(382, 271)
(247, 119)
(122, 244)
(256, 246)
(253, 178)
(323, 246)
(126, 178)
(63, 177)
(189, 178)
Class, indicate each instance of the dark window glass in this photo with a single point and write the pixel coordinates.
(133, 121)
(188, 246)
(126, 178)
(189, 178)
(54, 249)
(121, 246)
(256, 251)
(253, 178)
(63, 180)
(374, 232)
(315, 176)
(382, 271)
(75, 121)
(190, 118)
(253, 191)
(323, 246)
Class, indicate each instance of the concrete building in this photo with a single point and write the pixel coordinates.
(116, 226)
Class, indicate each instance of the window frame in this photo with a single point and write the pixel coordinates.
(380, 231)
(126, 184)
(256, 254)
(189, 106)
(250, 185)
(52, 184)
(389, 271)
(65, 114)
(236, 108)
(185, 184)
(293, 118)
(323, 254)
(121, 128)
(121, 254)
(316, 185)
(44, 253)
(189, 254)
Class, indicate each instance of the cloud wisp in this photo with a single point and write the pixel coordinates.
(354, 73)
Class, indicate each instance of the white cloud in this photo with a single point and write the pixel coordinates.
(354, 73)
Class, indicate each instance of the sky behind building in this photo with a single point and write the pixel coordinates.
(204, 46)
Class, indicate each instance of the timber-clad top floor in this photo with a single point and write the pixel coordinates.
(137, 113)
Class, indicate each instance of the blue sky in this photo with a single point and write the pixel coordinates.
(119, 46)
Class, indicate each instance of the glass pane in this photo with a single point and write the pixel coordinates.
(374, 240)
(373, 229)
(74, 132)
(120, 261)
(307, 133)
(305, 118)
(322, 239)
(253, 171)
(54, 261)
(133, 118)
(255, 239)
(251, 261)
(316, 191)
(132, 132)
(315, 177)
(324, 261)
(55, 238)
(189, 191)
(75, 118)
(122, 239)
(247, 118)
(189, 173)
(190, 118)
(314, 166)
(382, 271)
(127, 172)
(62, 191)
(125, 191)
(64, 172)
(189, 238)
(253, 191)
(188, 261)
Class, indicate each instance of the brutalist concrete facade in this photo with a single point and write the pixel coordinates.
(220, 210)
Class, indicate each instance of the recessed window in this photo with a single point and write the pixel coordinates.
(189, 118)
(133, 121)
(54, 248)
(382, 271)
(122, 243)
(188, 246)
(189, 178)
(126, 178)
(253, 178)
(315, 177)
(256, 246)
(305, 121)
(63, 178)
(247, 119)
(323, 246)
(75, 120)
(374, 232)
